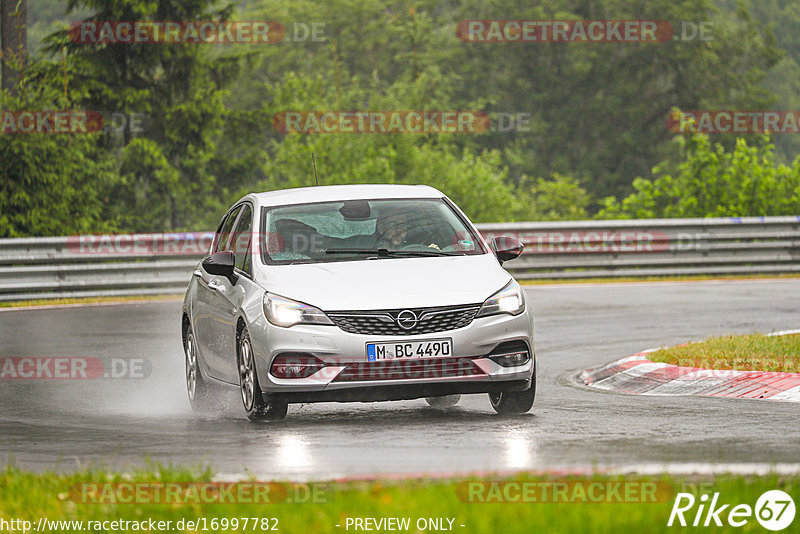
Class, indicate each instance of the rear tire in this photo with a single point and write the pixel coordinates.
(255, 405)
(443, 402)
(200, 394)
(515, 402)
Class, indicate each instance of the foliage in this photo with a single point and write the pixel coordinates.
(49, 182)
(713, 182)
(597, 111)
(477, 182)
(560, 198)
(783, 79)
(164, 175)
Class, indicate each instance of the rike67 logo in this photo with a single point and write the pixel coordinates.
(774, 510)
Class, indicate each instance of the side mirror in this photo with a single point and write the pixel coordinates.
(506, 248)
(221, 264)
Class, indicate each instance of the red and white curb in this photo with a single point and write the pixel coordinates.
(638, 375)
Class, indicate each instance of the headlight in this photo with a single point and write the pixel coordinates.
(281, 311)
(510, 299)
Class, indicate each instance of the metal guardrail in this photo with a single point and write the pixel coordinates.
(142, 264)
(654, 247)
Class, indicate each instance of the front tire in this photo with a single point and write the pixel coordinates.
(255, 405)
(515, 402)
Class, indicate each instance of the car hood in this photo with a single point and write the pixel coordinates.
(388, 283)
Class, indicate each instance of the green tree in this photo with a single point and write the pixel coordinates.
(476, 181)
(714, 182)
(559, 198)
(13, 42)
(50, 184)
(783, 79)
(181, 89)
(598, 111)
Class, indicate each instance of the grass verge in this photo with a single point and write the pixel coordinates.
(754, 352)
(62, 497)
(84, 300)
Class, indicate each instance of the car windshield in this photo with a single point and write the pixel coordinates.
(356, 230)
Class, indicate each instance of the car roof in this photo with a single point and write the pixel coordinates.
(332, 193)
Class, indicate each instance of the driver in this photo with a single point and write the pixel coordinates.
(393, 232)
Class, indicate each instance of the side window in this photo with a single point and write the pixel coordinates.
(240, 243)
(215, 242)
(221, 239)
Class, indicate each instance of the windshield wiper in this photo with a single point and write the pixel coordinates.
(429, 252)
(385, 252)
(379, 251)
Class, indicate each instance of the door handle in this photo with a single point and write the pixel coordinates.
(213, 284)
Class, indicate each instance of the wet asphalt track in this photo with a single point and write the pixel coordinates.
(66, 425)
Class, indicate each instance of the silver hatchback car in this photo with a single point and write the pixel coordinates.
(356, 293)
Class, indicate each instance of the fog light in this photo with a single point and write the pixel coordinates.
(295, 366)
(513, 359)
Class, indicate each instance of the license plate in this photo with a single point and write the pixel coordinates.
(430, 348)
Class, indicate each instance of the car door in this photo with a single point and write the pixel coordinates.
(212, 310)
(232, 296)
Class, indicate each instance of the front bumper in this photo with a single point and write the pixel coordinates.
(349, 377)
(401, 391)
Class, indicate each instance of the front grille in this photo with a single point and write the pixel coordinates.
(385, 323)
(410, 369)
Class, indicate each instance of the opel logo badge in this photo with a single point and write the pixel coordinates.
(406, 319)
